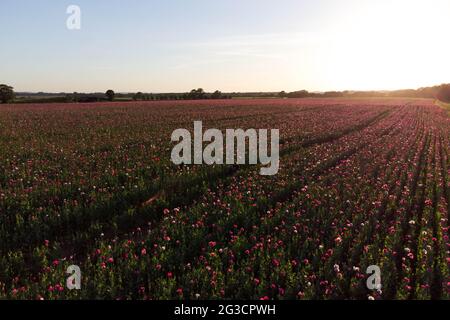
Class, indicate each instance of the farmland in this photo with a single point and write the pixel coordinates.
(361, 182)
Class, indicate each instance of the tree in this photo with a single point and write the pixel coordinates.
(282, 94)
(138, 96)
(196, 94)
(443, 93)
(110, 95)
(6, 93)
(298, 94)
(216, 95)
(200, 93)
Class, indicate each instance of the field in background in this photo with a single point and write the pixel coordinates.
(362, 182)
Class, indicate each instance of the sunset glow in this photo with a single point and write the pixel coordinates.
(324, 45)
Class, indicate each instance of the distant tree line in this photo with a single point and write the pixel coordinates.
(306, 94)
(109, 95)
(194, 94)
(441, 92)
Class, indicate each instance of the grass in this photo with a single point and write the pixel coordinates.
(443, 105)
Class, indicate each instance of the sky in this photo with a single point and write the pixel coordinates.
(230, 45)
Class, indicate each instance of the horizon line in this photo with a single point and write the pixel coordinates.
(247, 91)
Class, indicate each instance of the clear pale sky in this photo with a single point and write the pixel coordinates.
(230, 45)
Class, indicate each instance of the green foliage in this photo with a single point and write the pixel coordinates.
(6, 93)
(110, 95)
(443, 93)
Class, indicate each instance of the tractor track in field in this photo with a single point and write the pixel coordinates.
(416, 234)
(445, 177)
(382, 213)
(332, 136)
(416, 207)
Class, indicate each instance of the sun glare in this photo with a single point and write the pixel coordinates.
(388, 45)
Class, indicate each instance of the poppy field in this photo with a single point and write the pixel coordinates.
(361, 182)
